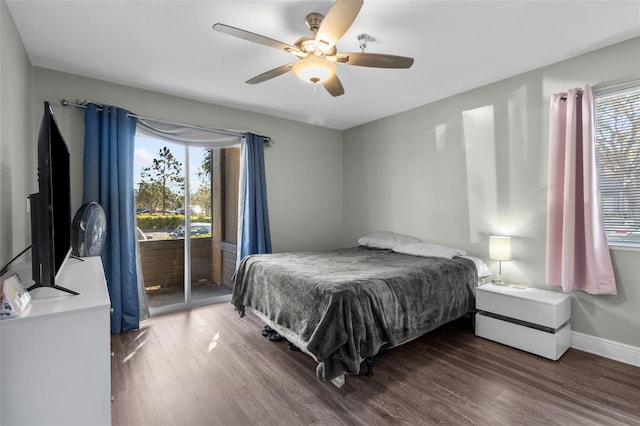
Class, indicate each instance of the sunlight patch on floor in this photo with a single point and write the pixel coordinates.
(138, 347)
(214, 342)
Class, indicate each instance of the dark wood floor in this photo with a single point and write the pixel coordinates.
(209, 367)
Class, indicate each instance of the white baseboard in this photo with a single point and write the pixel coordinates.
(606, 348)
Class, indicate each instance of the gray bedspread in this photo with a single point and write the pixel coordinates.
(345, 304)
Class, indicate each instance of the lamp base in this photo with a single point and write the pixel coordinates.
(499, 281)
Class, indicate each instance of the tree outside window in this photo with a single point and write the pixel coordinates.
(162, 184)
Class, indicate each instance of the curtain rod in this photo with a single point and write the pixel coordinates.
(578, 94)
(83, 104)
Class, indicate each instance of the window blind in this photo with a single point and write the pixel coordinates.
(617, 137)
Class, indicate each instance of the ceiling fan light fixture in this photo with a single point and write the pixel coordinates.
(314, 69)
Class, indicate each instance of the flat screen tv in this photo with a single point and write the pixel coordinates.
(50, 206)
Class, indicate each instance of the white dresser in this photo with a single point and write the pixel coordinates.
(531, 319)
(55, 359)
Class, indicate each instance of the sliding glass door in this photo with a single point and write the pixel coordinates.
(174, 211)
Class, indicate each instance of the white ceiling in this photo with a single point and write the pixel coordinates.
(168, 46)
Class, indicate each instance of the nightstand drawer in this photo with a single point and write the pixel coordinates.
(547, 344)
(546, 308)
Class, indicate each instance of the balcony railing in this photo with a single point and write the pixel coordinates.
(163, 270)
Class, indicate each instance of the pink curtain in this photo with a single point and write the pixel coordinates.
(577, 250)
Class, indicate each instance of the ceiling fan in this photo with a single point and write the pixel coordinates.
(317, 53)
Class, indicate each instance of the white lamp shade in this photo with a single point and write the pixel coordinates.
(314, 69)
(500, 248)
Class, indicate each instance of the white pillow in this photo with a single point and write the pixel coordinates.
(483, 269)
(429, 250)
(386, 240)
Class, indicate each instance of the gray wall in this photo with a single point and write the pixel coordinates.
(16, 140)
(474, 165)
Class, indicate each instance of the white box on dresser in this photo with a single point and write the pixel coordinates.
(56, 358)
(531, 319)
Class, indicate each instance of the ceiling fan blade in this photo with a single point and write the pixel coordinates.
(256, 38)
(270, 74)
(333, 86)
(375, 60)
(337, 22)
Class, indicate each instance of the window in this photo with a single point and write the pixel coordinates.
(617, 136)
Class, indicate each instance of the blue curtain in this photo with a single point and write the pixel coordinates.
(108, 180)
(254, 234)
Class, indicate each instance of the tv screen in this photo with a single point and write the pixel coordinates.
(51, 206)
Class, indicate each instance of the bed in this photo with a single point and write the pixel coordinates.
(342, 306)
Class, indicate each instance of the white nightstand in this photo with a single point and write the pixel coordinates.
(531, 319)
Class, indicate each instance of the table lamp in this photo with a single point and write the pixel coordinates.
(500, 250)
